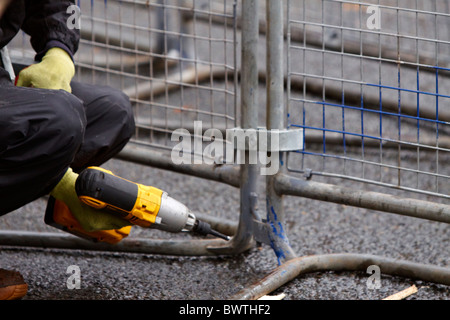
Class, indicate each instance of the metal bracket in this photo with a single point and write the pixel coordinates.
(308, 174)
(264, 140)
(259, 225)
(260, 232)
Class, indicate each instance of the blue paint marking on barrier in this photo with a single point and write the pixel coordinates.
(278, 231)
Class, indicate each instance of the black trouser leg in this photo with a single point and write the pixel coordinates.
(40, 134)
(43, 132)
(110, 124)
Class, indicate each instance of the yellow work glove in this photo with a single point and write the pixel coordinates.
(55, 71)
(89, 218)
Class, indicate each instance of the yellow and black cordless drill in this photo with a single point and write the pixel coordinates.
(144, 206)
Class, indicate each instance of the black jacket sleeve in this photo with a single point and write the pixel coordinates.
(46, 23)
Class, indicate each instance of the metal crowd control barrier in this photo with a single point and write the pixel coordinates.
(344, 85)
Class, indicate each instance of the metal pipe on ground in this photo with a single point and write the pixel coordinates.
(288, 185)
(131, 245)
(341, 262)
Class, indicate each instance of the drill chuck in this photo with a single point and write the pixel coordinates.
(173, 216)
(204, 228)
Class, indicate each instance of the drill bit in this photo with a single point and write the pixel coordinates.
(204, 228)
(219, 235)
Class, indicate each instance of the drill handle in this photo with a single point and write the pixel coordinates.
(101, 189)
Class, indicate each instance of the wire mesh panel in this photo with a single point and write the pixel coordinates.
(370, 84)
(174, 59)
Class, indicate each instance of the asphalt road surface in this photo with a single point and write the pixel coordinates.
(314, 227)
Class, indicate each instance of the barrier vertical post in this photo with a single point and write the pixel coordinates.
(276, 121)
(243, 239)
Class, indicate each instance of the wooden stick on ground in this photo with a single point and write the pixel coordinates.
(402, 294)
